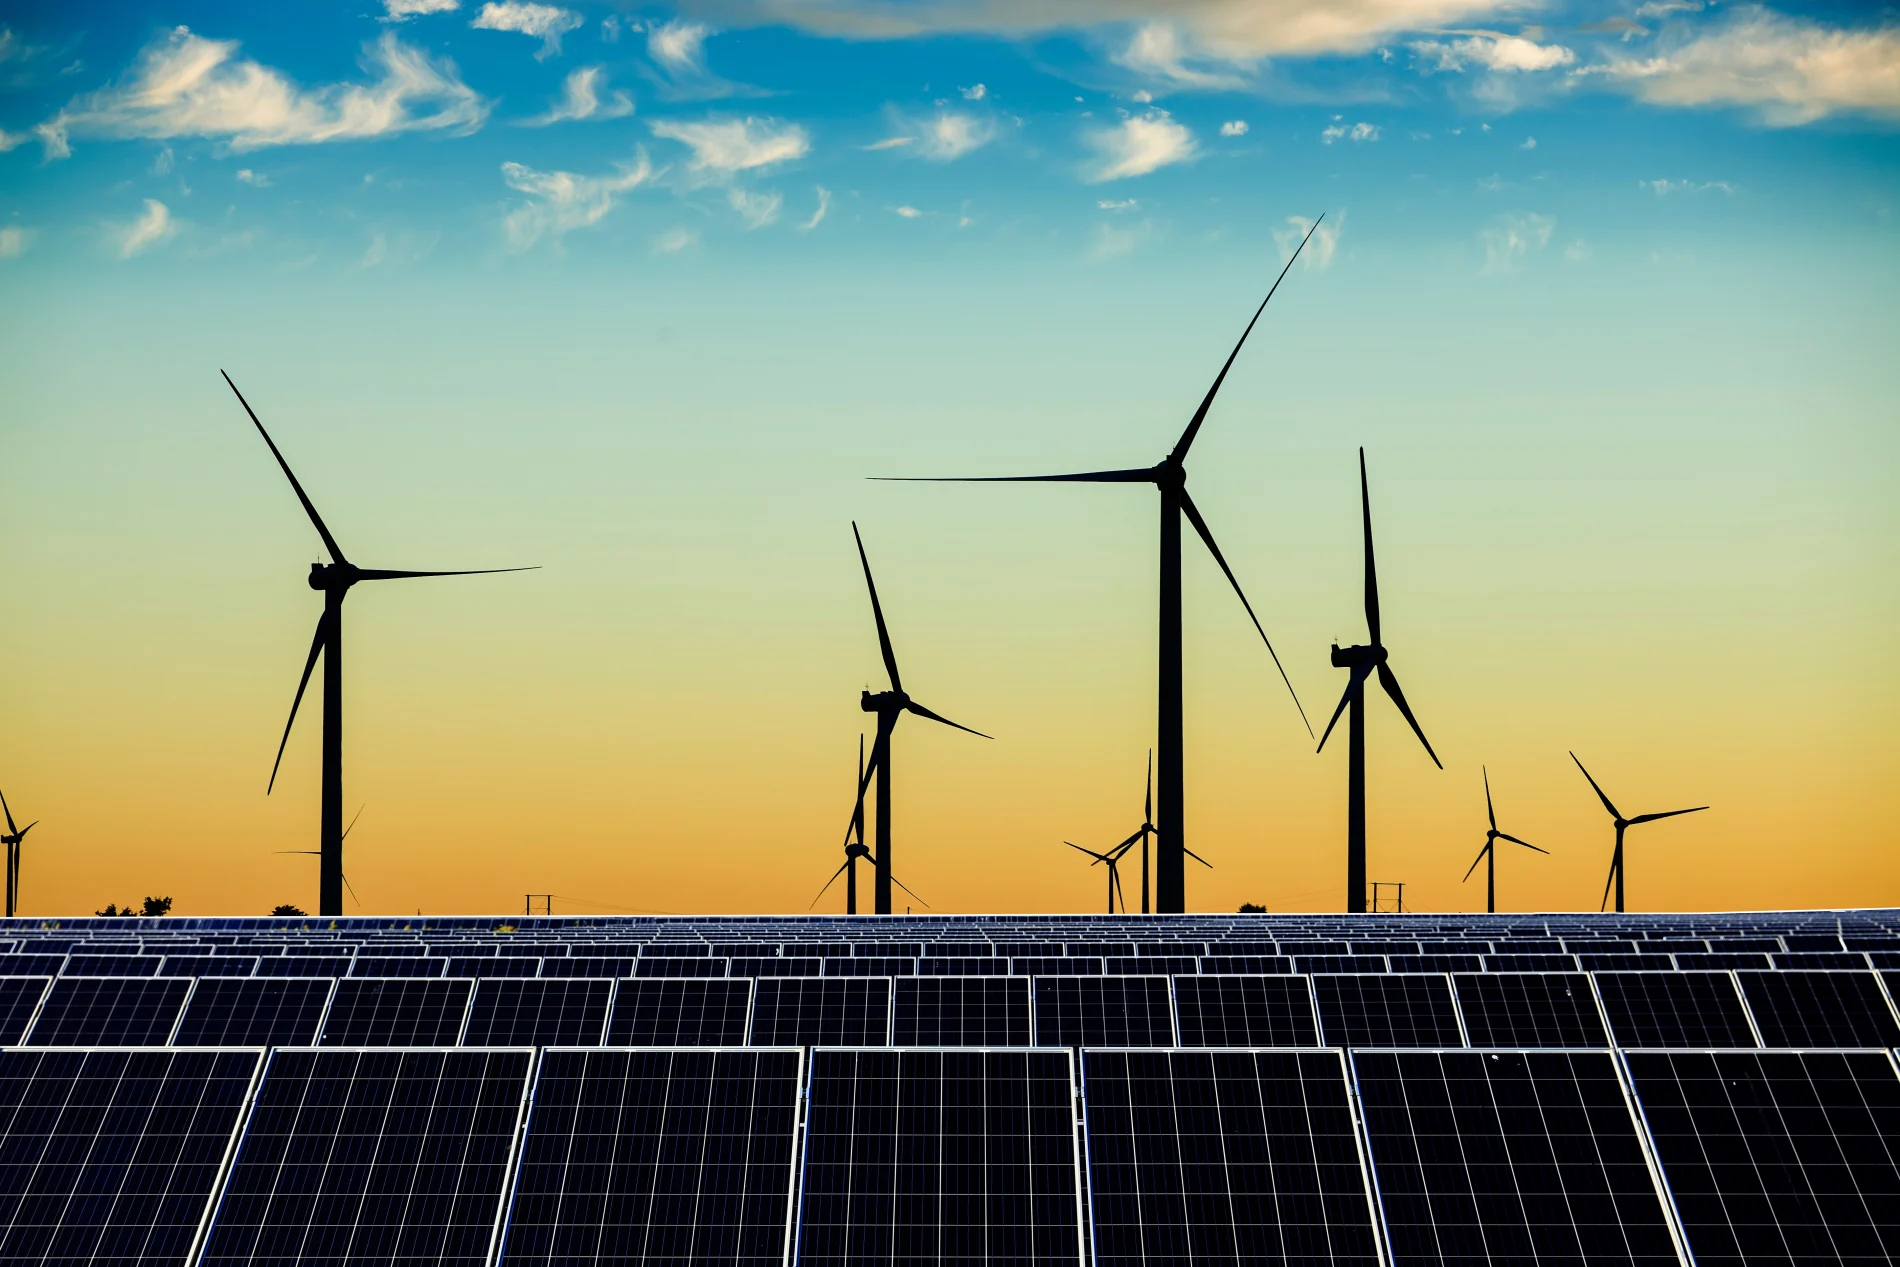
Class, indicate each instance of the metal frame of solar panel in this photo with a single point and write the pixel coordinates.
(20, 999)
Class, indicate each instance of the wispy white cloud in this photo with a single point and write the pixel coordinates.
(817, 216)
(890, 143)
(403, 10)
(256, 180)
(581, 99)
(153, 226)
(1513, 238)
(184, 85)
(546, 22)
(1320, 247)
(1117, 204)
(1664, 187)
(1109, 241)
(564, 201)
(950, 136)
(13, 140)
(1530, 143)
(674, 241)
(1234, 127)
(1141, 144)
(908, 212)
(975, 92)
(757, 210)
(679, 46)
(12, 242)
(1490, 50)
(1157, 50)
(1349, 132)
(735, 145)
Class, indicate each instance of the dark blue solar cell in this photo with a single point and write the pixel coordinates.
(1151, 965)
(798, 966)
(515, 1013)
(1530, 1010)
(109, 1012)
(253, 1012)
(209, 966)
(1246, 965)
(1820, 1009)
(1386, 1011)
(828, 1011)
(1674, 1009)
(78, 965)
(400, 1012)
(963, 967)
(19, 997)
(1435, 963)
(398, 966)
(1056, 967)
(302, 966)
(1245, 1011)
(1723, 960)
(498, 966)
(1103, 1012)
(373, 1157)
(111, 1156)
(1338, 963)
(588, 966)
(648, 967)
(886, 949)
(1530, 963)
(960, 1012)
(657, 1157)
(868, 967)
(680, 1012)
(31, 965)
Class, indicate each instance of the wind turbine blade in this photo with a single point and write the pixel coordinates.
(358, 814)
(1148, 803)
(877, 610)
(9, 812)
(1372, 572)
(1133, 840)
(1607, 881)
(1390, 682)
(1599, 791)
(21, 834)
(1359, 672)
(329, 542)
(828, 883)
(1207, 537)
(386, 574)
(1489, 812)
(316, 649)
(1650, 818)
(857, 815)
(1099, 857)
(1115, 878)
(1527, 844)
(352, 889)
(864, 782)
(1475, 861)
(1145, 475)
(1194, 426)
(921, 711)
(900, 884)
(314, 853)
(1197, 857)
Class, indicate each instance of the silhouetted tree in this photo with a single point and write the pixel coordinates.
(1252, 908)
(155, 906)
(112, 910)
(288, 909)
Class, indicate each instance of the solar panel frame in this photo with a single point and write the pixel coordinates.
(20, 1006)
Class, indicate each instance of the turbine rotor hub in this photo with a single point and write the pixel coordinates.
(883, 701)
(332, 576)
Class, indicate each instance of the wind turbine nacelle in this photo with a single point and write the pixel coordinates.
(883, 701)
(1352, 657)
(331, 576)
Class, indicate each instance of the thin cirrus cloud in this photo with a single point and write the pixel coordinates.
(581, 99)
(403, 10)
(184, 85)
(756, 210)
(1357, 132)
(564, 201)
(679, 47)
(736, 145)
(546, 22)
(154, 225)
(943, 138)
(1320, 248)
(1492, 51)
(818, 216)
(1158, 51)
(1512, 239)
(1139, 145)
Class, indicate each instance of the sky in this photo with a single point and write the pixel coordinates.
(644, 296)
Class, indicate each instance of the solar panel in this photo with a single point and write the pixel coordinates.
(111, 1156)
(1245, 1012)
(960, 1012)
(657, 1157)
(403, 1012)
(1509, 1157)
(208, 966)
(483, 966)
(1387, 1011)
(32, 965)
(962, 967)
(679, 1012)
(828, 1011)
(1530, 1010)
(397, 966)
(1103, 1012)
(302, 966)
(939, 1157)
(1234, 965)
(680, 968)
(252, 1012)
(1055, 965)
(373, 1157)
(78, 965)
(1819, 1009)
(1225, 1157)
(109, 1012)
(1675, 1009)
(570, 1012)
(19, 997)
(1777, 1157)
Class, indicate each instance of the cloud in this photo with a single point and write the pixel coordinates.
(13, 140)
(890, 143)
(186, 86)
(1513, 238)
(580, 99)
(824, 205)
(907, 212)
(1140, 145)
(256, 180)
(1112, 204)
(679, 46)
(1319, 248)
(1491, 51)
(736, 145)
(1157, 50)
(544, 21)
(975, 92)
(1663, 187)
(1355, 132)
(403, 10)
(1110, 241)
(1790, 71)
(674, 240)
(12, 242)
(951, 136)
(757, 210)
(1530, 143)
(564, 201)
(1234, 127)
(154, 226)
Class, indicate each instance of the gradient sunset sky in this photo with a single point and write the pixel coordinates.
(643, 295)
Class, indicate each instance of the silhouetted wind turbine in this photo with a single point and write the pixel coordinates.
(1616, 859)
(1113, 858)
(12, 841)
(334, 580)
(1169, 476)
(1364, 661)
(1489, 854)
(853, 850)
(889, 706)
(312, 853)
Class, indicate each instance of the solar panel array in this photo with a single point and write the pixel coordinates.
(1115, 1091)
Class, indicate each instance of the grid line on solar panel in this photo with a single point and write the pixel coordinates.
(940, 1157)
(1509, 1156)
(1819, 1009)
(658, 1157)
(1245, 1011)
(397, 1012)
(680, 1012)
(559, 1012)
(254, 1012)
(110, 1011)
(1210, 1158)
(1674, 1009)
(1367, 1010)
(113, 1156)
(1777, 1156)
(1521, 1009)
(960, 1012)
(20, 999)
(1103, 1012)
(373, 1155)
(820, 1011)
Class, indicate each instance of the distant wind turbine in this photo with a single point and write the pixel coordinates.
(312, 853)
(853, 850)
(1489, 854)
(1169, 476)
(889, 706)
(334, 580)
(1616, 859)
(12, 841)
(1364, 661)
(1113, 858)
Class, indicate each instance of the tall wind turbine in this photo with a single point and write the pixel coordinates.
(1169, 476)
(1616, 859)
(1489, 854)
(314, 853)
(12, 841)
(853, 850)
(1364, 661)
(333, 580)
(1113, 858)
(889, 706)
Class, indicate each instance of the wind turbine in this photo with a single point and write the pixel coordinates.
(12, 841)
(853, 850)
(333, 580)
(889, 706)
(1169, 476)
(1113, 858)
(312, 853)
(1489, 854)
(1616, 859)
(1364, 661)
